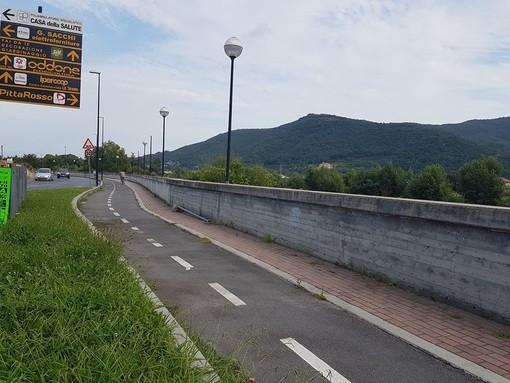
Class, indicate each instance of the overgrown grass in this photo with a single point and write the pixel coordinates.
(70, 311)
(502, 334)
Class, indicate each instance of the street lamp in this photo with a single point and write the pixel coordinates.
(102, 148)
(150, 157)
(164, 113)
(233, 49)
(144, 145)
(97, 132)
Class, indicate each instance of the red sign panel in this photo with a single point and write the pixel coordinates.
(88, 144)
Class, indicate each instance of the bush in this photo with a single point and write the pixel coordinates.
(387, 181)
(322, 179)
(432, 184)
(480, 181)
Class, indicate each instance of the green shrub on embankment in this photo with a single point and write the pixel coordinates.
(70, 311)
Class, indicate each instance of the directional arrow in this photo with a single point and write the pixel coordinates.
(7, 14)
(6, 59)
(73, 55)
(8, 31)
(6, 77)
(74, 99)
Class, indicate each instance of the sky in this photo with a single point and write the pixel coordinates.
(426, 61)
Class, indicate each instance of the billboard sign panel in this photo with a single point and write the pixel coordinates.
(40, 58)
(5, 193)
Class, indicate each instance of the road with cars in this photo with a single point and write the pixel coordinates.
(62, 182)
(278, 332)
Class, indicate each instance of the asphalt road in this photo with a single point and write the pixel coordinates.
(60, 183)
(279, 332)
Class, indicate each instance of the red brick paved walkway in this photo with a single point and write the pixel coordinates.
(461, 338)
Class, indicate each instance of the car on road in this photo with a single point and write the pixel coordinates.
(63, 172)
(44, 174)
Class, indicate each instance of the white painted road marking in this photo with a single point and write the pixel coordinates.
(323, 368)
(182, 262)
(111, 208)
(227, 294)
(116, 214)
(153, 241)
(124, 220)
(135, 228)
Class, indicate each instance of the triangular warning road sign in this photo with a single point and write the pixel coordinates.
(88, 144)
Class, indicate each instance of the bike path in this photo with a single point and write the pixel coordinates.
(463, 339)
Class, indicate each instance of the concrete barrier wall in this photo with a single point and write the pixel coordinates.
(457, 253)
(18, 188)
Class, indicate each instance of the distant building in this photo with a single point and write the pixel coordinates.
(325, 165)
(505, 181)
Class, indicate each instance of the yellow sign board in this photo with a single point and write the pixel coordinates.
(40, 58)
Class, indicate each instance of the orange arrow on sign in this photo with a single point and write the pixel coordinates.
(74, 101)
(6, 59)
(6, 77)
(88, 144)
(8, 31)
(73, 55)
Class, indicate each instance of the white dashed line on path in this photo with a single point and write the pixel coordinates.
(323, 368)
(227, 294)
(124, 220)
(182, 262)
(153, 241)
(116, 214)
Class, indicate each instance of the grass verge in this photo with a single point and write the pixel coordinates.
(71, 311)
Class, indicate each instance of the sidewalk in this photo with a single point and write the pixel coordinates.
(465, 340)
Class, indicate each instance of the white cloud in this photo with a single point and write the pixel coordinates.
(430, 61)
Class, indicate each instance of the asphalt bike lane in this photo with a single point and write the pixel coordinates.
(277, 330)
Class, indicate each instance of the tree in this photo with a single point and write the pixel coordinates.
(392, 180)
(113, 157)
(295, 181)
(364, 181)
(387, 181)
(323, 179)
(432, 184)
(30, 161)
(480, 181)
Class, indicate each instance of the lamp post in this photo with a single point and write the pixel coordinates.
(164, 113)
(97, 131)
(233, 49)
(102, 148)
(144, 145)
(150, 156)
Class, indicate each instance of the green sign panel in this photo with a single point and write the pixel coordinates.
(5, 193)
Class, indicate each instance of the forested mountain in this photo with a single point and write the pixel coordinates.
(347, 143)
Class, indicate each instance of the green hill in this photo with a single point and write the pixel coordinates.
(348, 143)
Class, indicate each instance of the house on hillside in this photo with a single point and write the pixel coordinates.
(506, 181)
(325, 165)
